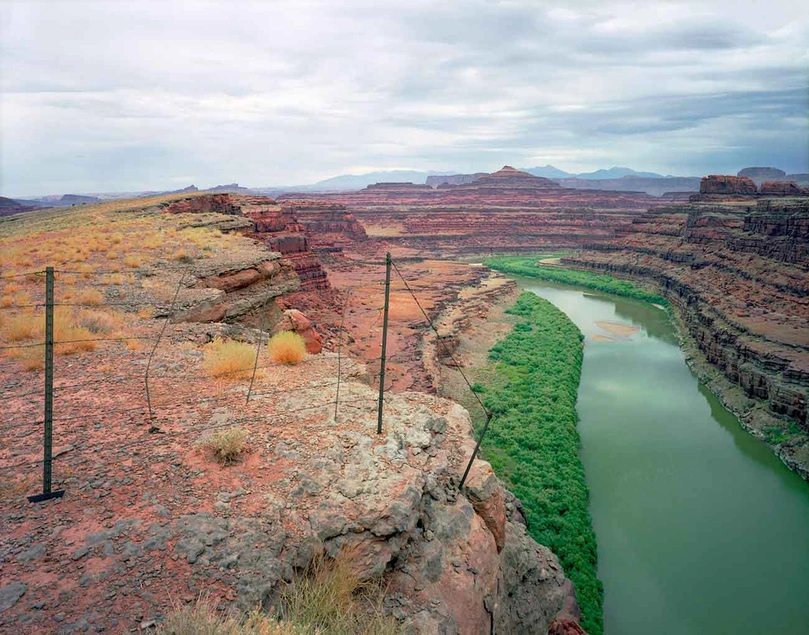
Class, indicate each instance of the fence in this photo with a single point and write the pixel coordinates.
(157, 410)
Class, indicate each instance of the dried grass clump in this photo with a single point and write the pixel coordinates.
(226, 445)
(31, 358)
(90, 297)
(202, 619)
(97, 321)
(68, 336)
(25, 326)
(229, 358)
(287, 347)
(181, 255)
(328, 600)
(133, 261)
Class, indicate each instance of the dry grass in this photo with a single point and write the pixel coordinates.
(25, 326)
(31, 358)
(231, 359)
(91, 297)
(133, 261)
(135, 345)
(328, 600)
(287, 347)
(202, 619)
(68, 336)
(227, 445)
(181, 255)
(97, 321)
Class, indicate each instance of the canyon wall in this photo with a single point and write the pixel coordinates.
(739, 276)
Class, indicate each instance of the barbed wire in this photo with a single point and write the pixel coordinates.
(21, 275)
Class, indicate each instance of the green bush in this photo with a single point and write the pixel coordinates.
(532, 442)
(522, 266)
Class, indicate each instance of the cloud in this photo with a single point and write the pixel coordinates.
(121, 96)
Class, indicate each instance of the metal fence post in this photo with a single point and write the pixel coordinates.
(384, 345)
(47, 460)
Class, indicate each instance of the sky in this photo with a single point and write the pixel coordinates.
(108, 95)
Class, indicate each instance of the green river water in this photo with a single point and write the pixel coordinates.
(701, 529)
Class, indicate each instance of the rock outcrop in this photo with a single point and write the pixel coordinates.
(126, 546)
(329, 226)
(781, 188)
(727, 185)
(271, 224)
(453, 179)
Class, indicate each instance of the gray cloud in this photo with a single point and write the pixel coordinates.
(104, 96)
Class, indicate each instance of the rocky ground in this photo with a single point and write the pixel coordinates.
(148, 520)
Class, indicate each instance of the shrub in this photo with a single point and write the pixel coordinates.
(227, 445)
(287, 347)
(229, 358)
(533, 444)
(526, 266)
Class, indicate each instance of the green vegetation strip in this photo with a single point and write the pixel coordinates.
(522, 266)
(533, 444)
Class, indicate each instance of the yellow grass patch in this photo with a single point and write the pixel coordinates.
(25, 326)
(287, 347)
(133, 261)
(229, 358)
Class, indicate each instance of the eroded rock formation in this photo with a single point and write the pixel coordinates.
(739, 276)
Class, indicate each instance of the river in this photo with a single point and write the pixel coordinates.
(701, 529)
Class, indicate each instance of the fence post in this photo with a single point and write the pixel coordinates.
(475, 451)
(47, 459)
(384, 345)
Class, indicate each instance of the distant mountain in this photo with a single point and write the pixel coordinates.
(653, 186)
(359, 181)
(549, 172)
(617, 173)
(9, 206)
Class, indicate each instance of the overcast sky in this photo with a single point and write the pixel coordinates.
(110, 96)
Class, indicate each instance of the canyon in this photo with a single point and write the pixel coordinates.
(733, 261)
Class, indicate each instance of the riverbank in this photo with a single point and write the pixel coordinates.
(526, 266)
(784, 437)
(528, 379)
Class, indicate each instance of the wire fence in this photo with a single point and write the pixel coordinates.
(167, 385)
